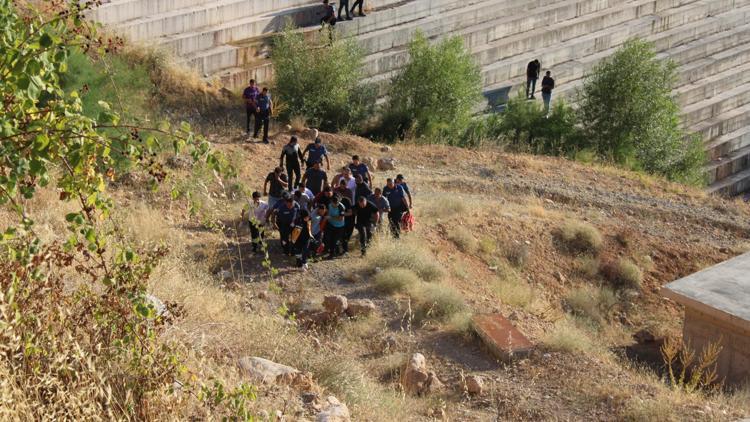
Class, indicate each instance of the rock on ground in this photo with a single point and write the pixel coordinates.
(335, 304)
(361, 307)
(385, 164)
(474, 385)
(334, 411)
(265, 371)
(415, 375)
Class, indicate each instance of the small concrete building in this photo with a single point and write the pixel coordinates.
(717, 309)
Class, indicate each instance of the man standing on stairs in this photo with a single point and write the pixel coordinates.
(548, 84)
(250, 95)
(360, 4)
(292, 154)
(532, 74)
(264, 110)
(345, 5)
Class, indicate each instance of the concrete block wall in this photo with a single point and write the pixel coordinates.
(229, 40)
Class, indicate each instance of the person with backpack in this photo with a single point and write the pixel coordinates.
(366, 218)
(399, 205)
(284, 215)
(291, 155)
(250, 95)
(532, 75)
(315, 152)
(315, 179)
(335, 223)
(278, 181)
(359, 168)
(302, 237)
(548, 84)
(359, 3)
(264, 110)
(256, 212)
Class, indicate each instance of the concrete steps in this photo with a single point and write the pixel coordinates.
(733, 185)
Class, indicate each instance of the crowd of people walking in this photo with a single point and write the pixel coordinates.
(316, 214)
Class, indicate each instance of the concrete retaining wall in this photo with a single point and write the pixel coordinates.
(228, 40)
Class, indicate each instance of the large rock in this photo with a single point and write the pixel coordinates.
(474, 385)
(369, 161)
(264, 371)
(385, 164)
(334, 411)
(433, 384)
(335, 304)
(386, 148)
(360, 307)
(414, 376)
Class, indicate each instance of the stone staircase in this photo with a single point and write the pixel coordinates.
(229, 40)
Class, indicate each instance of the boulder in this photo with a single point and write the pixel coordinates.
(474, 385)
(385, 164)
(334, 411)
(315, 318)
(361, 307)
(386, 148)
(414, 376)
(335, 304)
(433, 384)
(264, 371)
(369, 161)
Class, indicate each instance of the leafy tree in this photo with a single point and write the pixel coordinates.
(321, 82)
(628, 115)
(437, 91)
(78, 332)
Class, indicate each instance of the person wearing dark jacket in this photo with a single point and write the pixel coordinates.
(532, 75)
(250, 95)
(359, 3)
(303, 226)
(285, 213)
(548, 84)
(291, 155)
(366, 218)
(264, 111)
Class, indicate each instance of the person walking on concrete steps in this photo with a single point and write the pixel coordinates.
(264, 110)
(401, 181)
(366, 218)
(250, 96)
(548, 84)
(256, 212)
(285, 214)
(344, 4)
(278, 181)
(315, 152)
(359, 168)
(334, 231)
(302, 238)
(532, 75)
(359, 3)
(291, 155)
(399, 205)
(315, 179)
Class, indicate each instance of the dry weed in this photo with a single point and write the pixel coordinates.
(580, 237)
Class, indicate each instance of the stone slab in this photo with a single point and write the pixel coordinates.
(501, 337)
(721, 291)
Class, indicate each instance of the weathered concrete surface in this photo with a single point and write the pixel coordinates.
(229, 40)
(717, 310)
(501, 337)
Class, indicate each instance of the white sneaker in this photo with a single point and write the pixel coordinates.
(305, 267)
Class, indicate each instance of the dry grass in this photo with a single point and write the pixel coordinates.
(394, 280)
(580, 237)
(517, 254)
(441, 206)
(511, 290)
(566, 336)
(594, 303)
(436, 301)
(463, 239)
(588, 267)
(623, 273)
(298, 123)
(409, 253)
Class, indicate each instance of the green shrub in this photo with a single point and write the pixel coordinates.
(435, 93)
(394, 280)
(321, 82)
(437, 301)
(580, 237)
(628, 114)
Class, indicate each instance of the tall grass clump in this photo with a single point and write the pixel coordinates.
(594, 303)
(511, 290)
(566, 336)
(406, 253)
(392, 280)
(437, 301)
(580, 237)
(463, 239)
(623, 273)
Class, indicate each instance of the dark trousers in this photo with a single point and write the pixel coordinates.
(250, 113)
(303, 245)
(256, 234)
(394, 218)
(344, 4)
(333, 237)
(530, 86)
(354, 5)
(285, 232)
(365, 235)
(262, 119)
(293, 169)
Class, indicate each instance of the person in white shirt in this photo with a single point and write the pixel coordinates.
(256, 214)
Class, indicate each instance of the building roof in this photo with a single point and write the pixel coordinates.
(722, 291)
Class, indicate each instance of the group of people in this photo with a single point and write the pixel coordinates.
(533, 70)
(315, 214)
(258, 105)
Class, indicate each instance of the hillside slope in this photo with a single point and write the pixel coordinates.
(475, 211)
